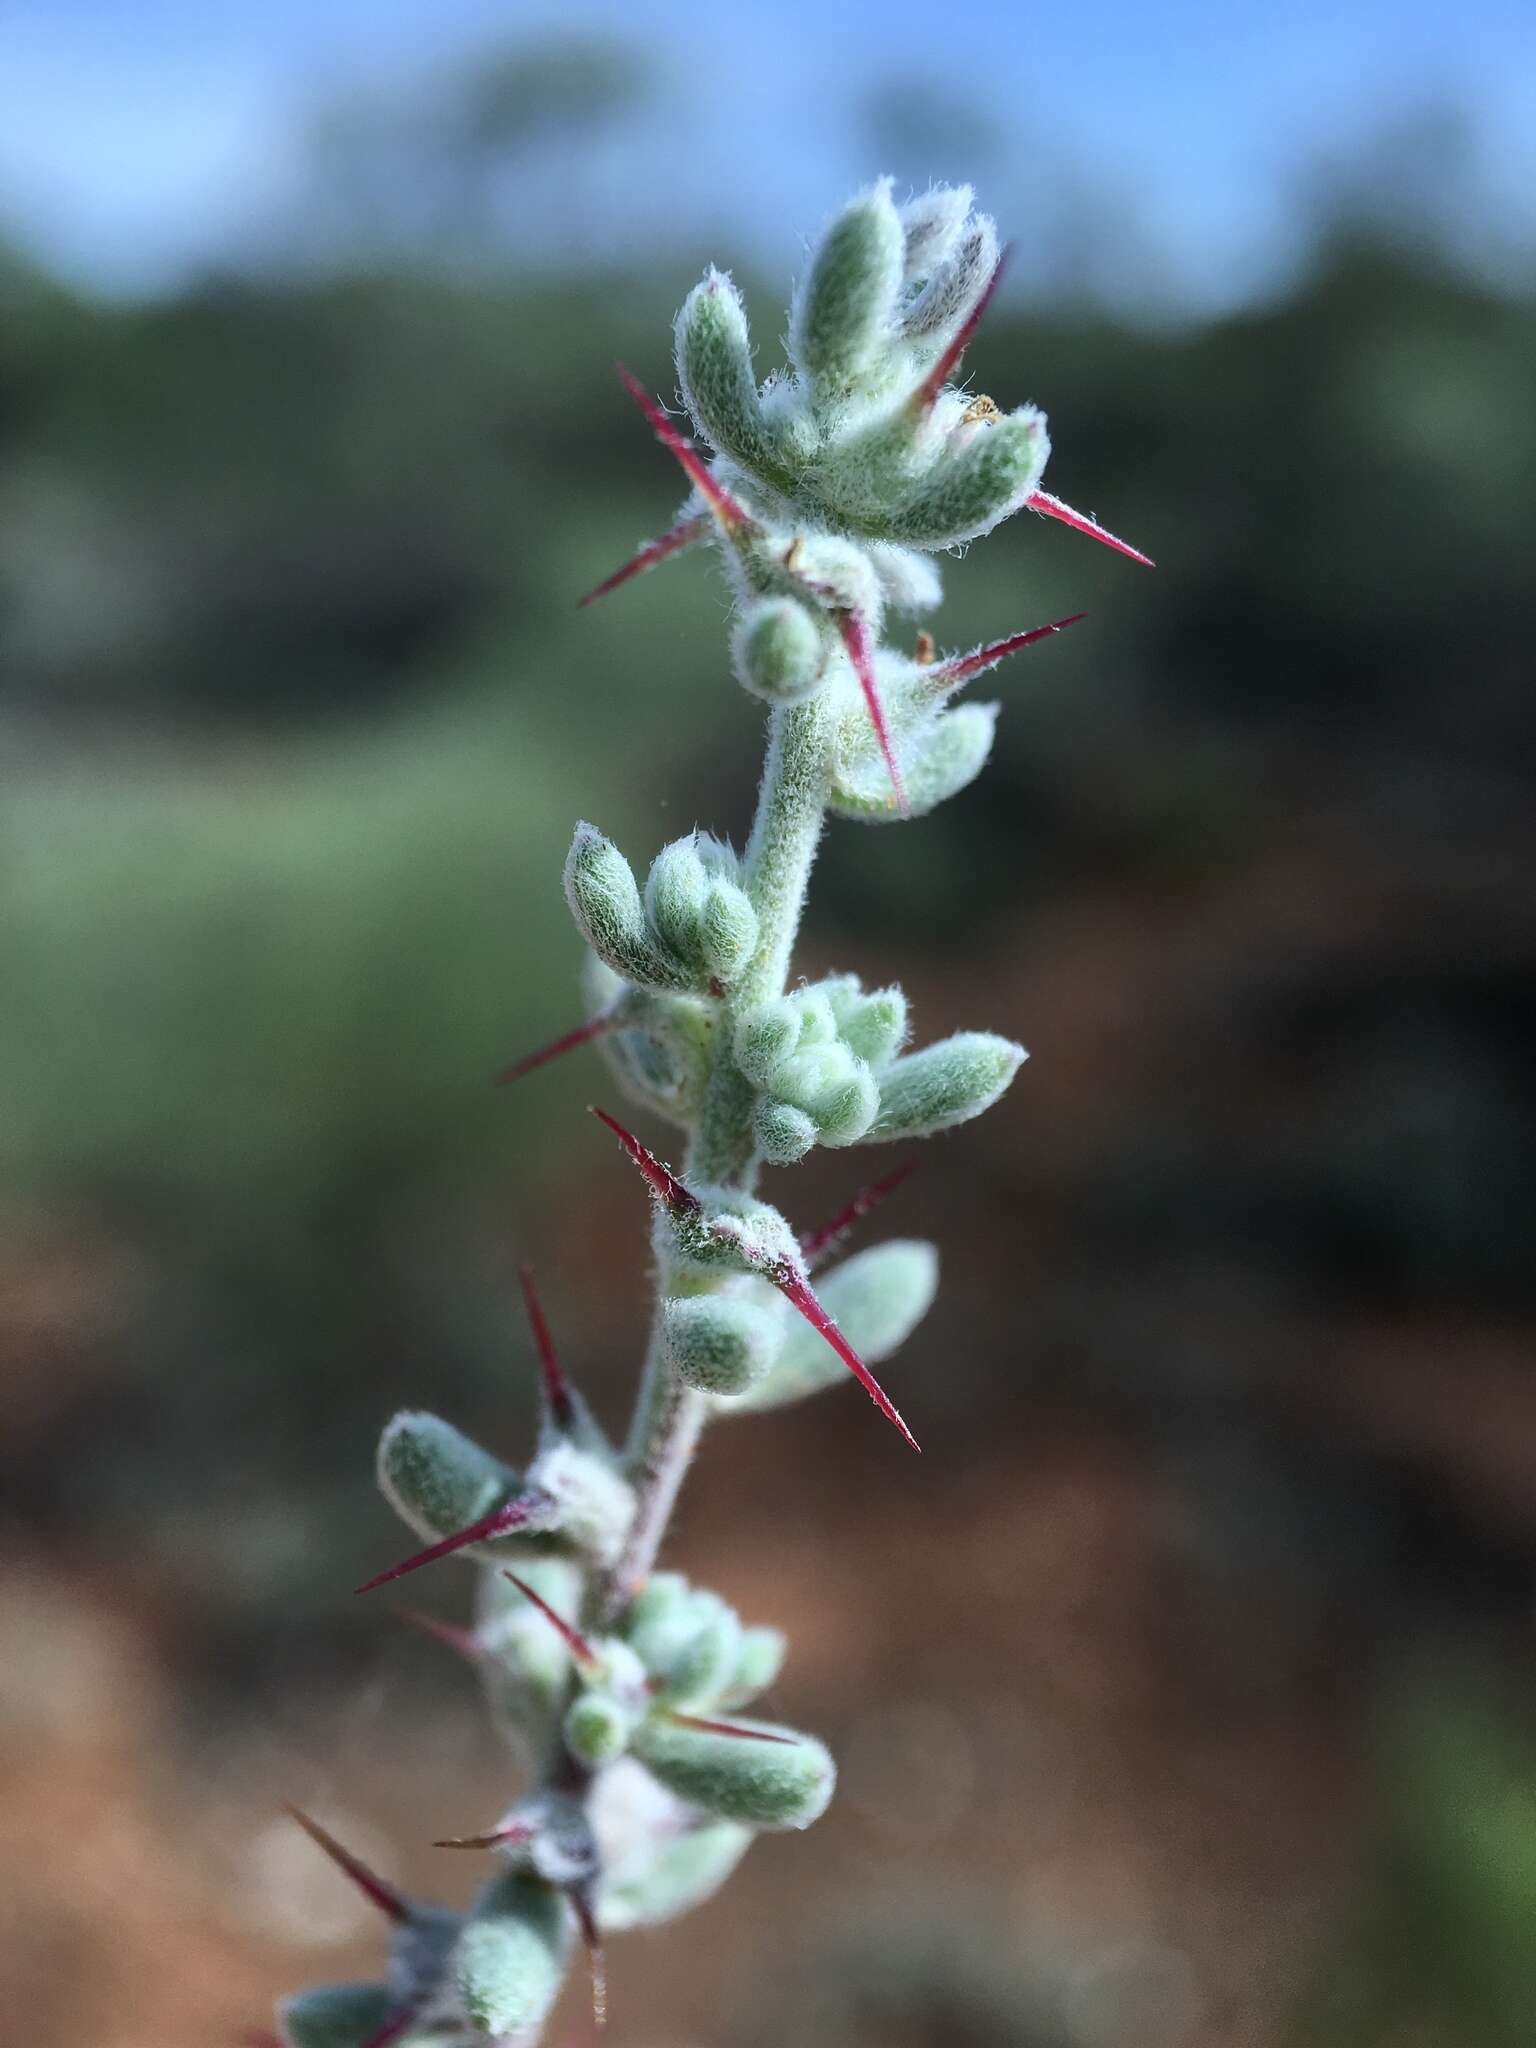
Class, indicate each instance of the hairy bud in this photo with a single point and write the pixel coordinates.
(508, 1962)
(438, 1480)
(778, 651)
(679, 1874)
(714, 368)
(758, 1663)
(605, 902)
(721, 1343)
(945, 1084)
(843, 311)
(763, 1776)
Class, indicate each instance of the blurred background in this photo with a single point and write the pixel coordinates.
(1184, 1689)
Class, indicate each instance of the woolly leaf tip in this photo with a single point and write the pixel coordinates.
(1053, 508)
(494, 1838)
(721, 503)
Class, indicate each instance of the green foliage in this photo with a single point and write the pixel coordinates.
(865, 444)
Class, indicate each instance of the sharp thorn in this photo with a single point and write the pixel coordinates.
(949, 675)
(818, 1244)
(583, 1034)
(672, 542)
(572, 1637)
(797, 1291)
(664, 1184)
(389, 1902)
(557, 1388)
(516, 1514)
(1053, 508)
(721, 503)
(855, 632)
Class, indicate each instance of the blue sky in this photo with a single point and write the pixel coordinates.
(137, 140)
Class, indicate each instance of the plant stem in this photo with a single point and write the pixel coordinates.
(791, 809)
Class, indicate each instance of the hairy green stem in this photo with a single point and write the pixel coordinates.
(791, 810)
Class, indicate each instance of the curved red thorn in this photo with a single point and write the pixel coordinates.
(665, 1185)
(583, 1034)
(499, 1522)
(496, 1838)
(675, 538)
(926, 392)
(798, 1294)
(586, 1920)
(721, 503)
(730, 1728)
(389, 1902)
(816, 1244)
(948, 675)
(573, 1638)
(557, 1388)
(855, 634)
(1053, 508)
(462, 1641)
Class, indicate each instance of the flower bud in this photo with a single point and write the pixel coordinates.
(843, 310)
(335, 2015)
(438, 1480)
(674, 896)
(765, 1035)
(687, 1638)
(597, 1728)
(783, 1133)
(938, 763)
(714, 368)
(945, 1084)
(605, 902)
(785, 1781)
(508, 1962)
(720, 1343)
(758, 1664)
(878, 1297)
(954, 285)
(727, 935)
(778, 651)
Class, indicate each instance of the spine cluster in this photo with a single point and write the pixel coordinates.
(622, 1689)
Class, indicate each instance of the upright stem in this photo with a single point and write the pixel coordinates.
(791, 809)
